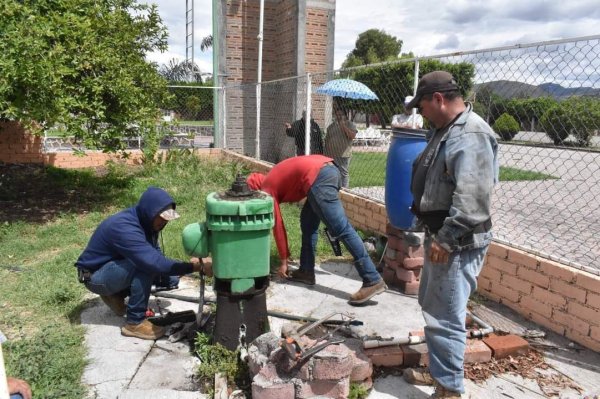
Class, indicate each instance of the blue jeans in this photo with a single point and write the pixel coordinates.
(16, 396)
(121, 276)
(324, 204)
(443, 294)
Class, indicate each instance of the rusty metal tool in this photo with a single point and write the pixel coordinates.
(293, 346)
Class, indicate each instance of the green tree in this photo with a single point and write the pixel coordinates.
(579, 116)
(372, 46)
(181, 71)
(392, 82)
(81, 64)
(506, 126)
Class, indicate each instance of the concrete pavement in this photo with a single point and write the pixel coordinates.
(122, 367)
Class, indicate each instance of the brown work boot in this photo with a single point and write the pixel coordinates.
(418, 376)
(441, 392)
(366, 293)
(144, 330)
(115, 302)
(303, 277)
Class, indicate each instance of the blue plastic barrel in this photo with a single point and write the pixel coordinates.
(405, 146)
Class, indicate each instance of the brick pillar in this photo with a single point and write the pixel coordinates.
(403, 261)
(17, 145)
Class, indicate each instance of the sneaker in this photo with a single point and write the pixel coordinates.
(116, 303)
(302, 277)
(366, 293)
(144, 330)
(418, 376)
(441, 392)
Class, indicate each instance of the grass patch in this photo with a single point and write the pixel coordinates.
(47, 217)
(215, 358)
(367, 169)
(514, 174)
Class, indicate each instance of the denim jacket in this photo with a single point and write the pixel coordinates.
(460, 179)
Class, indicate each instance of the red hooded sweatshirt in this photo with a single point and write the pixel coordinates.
(288, 181)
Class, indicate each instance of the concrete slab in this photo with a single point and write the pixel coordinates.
(129, 368)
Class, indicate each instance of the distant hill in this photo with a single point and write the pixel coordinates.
(510, 89)
(558, 91)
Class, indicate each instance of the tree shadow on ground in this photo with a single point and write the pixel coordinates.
(35, 193)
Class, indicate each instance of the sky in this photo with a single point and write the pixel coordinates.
(442, 27)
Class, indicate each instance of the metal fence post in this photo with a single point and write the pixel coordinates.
(308, 115)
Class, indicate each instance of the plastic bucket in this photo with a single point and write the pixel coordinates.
(406, 144)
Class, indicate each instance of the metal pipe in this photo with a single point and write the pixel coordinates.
(378, 343)
(259, 76)
(308, 115)
(411, 340)
(481, 332)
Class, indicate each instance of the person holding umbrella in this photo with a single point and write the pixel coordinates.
(341, 133)
(338, 142)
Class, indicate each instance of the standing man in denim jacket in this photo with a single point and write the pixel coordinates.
(452, 184)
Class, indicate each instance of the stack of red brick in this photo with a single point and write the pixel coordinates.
(328, 373)
(403, 261)
(477, 351)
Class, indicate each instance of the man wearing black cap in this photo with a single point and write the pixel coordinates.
(452, 184)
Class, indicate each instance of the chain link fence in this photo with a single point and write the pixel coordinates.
(542, 99)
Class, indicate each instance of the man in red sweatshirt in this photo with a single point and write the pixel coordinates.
(316, 178)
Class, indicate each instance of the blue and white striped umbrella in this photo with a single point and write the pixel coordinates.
(347, 88)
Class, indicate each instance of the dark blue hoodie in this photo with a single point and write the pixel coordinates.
(129, 235)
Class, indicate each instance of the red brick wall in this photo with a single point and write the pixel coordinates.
(561, 298)
(19, 146)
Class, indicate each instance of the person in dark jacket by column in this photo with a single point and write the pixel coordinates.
(298, 132)
(123, 258)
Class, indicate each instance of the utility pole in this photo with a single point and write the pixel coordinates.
(189, 32)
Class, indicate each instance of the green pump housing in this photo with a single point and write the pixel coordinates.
(237, 234)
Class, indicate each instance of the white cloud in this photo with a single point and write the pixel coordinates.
(426, 28)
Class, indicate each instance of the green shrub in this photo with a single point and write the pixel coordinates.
(579, 116)
(506, 126)
(555, 123)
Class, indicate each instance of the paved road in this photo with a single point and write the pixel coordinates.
(558, 217)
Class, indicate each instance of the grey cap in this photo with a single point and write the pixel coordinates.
(169, 214)
(433, 82)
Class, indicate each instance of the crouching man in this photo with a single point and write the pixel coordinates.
(123, 258)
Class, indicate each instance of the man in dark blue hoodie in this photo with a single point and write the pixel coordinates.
(123, 257)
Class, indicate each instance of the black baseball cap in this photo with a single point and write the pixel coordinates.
(436, 81)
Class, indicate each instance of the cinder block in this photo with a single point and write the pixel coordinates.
(332, 363)
(389, 276)
(363, 368)
(477, 352)
(405, 275)
(409, 288)
(392, 263)
(413, 263)
(386, 356)
(330, 389)
(415, 252)
(415, 355)
(506, 345)
(265, 389)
